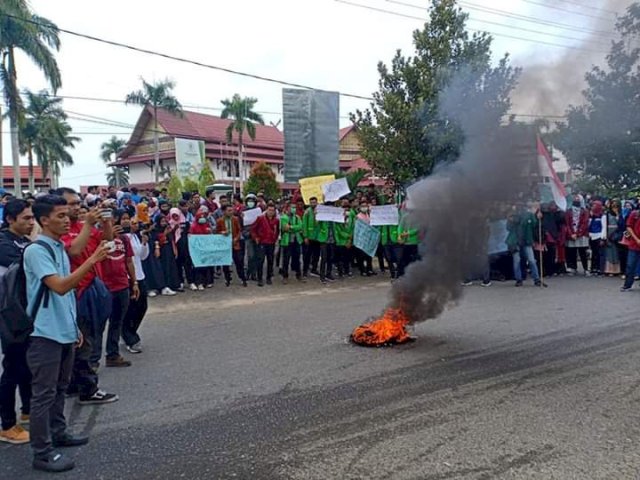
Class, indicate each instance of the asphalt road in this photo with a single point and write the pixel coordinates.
(262, 384)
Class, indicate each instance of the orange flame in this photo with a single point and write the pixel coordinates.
(389, 329)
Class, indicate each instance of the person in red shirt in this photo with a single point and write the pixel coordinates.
(202, 275)
(265, 233)
(93, 298)
(229, 224)
(633, 243)
(120, 278)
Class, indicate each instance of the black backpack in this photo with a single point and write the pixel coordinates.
(16, 324)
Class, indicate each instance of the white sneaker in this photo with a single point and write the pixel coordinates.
(210, 285)
(193, 287)
(137, 348)
(152, 293)
(167, 291)
(200, 287)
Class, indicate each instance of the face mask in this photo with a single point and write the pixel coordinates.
(202, 221)
(576, 203)
(364, 209)
(251, 204)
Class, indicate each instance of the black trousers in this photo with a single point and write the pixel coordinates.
(407, 255)
(343, 259)
(392, 260)
(596, 250)
(134, 316)
(381, 257)
(365, 262)
(84, 379)
(185, 265)
(238, 261)
(204, 275)
(291, 255)
(15, 374)
(50, 364)
(572, 257)
(311, 257)
(327, 256)
(265, 251)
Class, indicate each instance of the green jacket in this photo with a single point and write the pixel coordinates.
(295, 228)
(322, 232)
(344, 231)
(521, 231)
(388, 234)
(309, 225)
(404, 227)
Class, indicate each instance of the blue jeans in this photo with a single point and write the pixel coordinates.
(527, 253)
(632, 266)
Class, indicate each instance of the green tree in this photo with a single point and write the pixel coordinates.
(45, 134)
(189, 185)
(240, 111)
(36, 37)
(174, 189)
(405, 132)
(262, 179)
(601, 138)
(205, 178)
(109, 152)
(118, 177)
(157, 95)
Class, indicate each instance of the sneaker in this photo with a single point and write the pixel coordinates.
(193, 287)
(538, 283)
(330, 278)
(15, 435)
(269, 282)
(467, 284)
(260, 284)
(53, 462)
(24, 419)
(625, 289)
(571, 271)
(587, 273)
(201, 288)
(209, 285)
(314, 273)
(244, 283)
(98, 398)
(152, 293)
(519, 283)
(118, 361)
(137, 348)
(69, 440)
(168, 292)
(486, 284)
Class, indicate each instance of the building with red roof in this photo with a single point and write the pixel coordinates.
(41, 182)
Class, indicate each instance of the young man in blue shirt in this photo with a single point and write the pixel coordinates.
(55, 335)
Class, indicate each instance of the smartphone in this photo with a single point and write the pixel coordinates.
(106, 213)
(126, 229)
(111, 246)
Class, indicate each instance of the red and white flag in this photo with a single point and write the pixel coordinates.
(545, 164)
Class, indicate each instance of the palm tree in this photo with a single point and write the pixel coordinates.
(240, 110)
(21, 29)
(157, 95)
(118, 177)
(109, 149)
(41, 115)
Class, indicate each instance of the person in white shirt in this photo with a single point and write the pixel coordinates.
(139, 241)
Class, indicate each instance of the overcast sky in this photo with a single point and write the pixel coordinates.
(319, 43)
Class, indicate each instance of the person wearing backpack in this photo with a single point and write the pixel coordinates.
(55, 332)
(14, 237)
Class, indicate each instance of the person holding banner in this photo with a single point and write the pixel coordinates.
(327, 243)
(365, 262)
(408, 240)
(265, 234)
(229, 224)
(290, 241)
(202, 275)
(311, 249)
(344, 240)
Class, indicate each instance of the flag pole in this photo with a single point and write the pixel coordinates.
(541, 252)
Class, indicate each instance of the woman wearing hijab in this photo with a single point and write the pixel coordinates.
(597, 235)
(614, 235)
(160, 267)
(180, 227)
(142, 213)
(202, 275)
(577, 242)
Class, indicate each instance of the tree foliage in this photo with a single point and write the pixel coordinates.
(602, 137)
(174, 189)
(262, 179)
(405, 132)
(205, 178)
(118, 177)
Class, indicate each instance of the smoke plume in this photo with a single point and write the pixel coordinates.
(555, 79)
(452, 207)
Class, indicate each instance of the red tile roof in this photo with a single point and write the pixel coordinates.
(24, 172)
(345, 131)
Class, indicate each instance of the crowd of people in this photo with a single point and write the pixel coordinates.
(99, 257)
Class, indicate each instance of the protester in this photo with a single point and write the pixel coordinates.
(553, 226)
(290, 242)
(265, 235)
(344, 241)
(633, 244)
(14, 237)
(612, 264)
(326, 238)
(250, 244)
(365, 262)
(597, 235)
(577, 224)
(310, 238)
(51, 351)
(139, 242)
(229, 224)
(180, 219)
(160, 267)
(522, 227)
(202, 275)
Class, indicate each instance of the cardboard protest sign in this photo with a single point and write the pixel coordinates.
(210, 250)
(250, 216)
(366, 238)
(335, 190)
(312, 187)
(329, 214)
(384, 215)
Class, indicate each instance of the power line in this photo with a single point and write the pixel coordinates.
(597, 9)
(561, 9)
(183, 60)
(489, 22)
(413, 17)
(530, 19)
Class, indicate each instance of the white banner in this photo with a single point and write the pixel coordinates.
(250, 216)
(384, 215)
(335, 190)
(189, 158)
(329, 214)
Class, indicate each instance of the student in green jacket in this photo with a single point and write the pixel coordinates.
(290, 241)
(311, 247)
(344, 240)
(326, 237)
(409, 240)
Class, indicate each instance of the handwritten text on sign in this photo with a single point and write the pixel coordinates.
(210, 250)
(329, 214)
(335, 190)
(384, 215)
(366, 238)
(312, 187)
